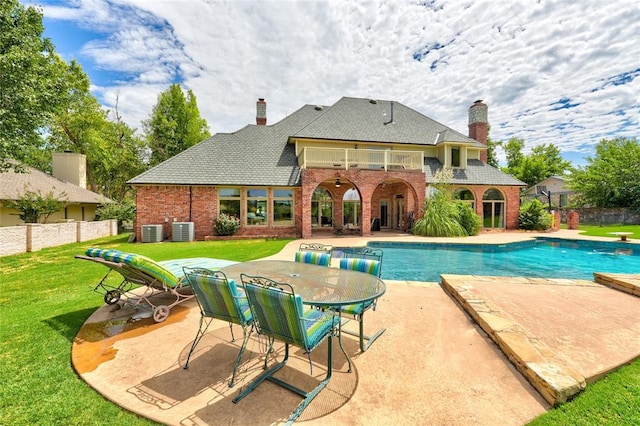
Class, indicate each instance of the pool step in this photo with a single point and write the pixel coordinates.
(629, 283)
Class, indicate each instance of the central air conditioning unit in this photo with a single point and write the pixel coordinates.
(151, 233)
(183, 231)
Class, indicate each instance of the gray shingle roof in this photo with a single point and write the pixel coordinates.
(357, 119)
(261, 155)
(12, 187)
(476, 173)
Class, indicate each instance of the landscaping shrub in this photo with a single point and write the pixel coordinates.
(440, 217)
(469, 220)
(534, 216)
(226, 225)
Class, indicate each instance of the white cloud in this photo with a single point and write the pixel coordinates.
(521, 57)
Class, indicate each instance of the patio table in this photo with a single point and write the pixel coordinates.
(320, 286)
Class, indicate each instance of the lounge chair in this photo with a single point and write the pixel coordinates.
(153, 277)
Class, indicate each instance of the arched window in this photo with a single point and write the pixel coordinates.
(321, 208)
(465, 195)
(493, 209)
(351, 208)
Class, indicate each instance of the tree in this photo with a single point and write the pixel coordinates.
(174, 125)
(544, 161)
(492, 159)
(111, 147)
(612, 177)
(33, 205)
(32, 85)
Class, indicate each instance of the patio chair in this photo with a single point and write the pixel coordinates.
(362, 259)
(314, 253)
(279, 315)
(219, 298)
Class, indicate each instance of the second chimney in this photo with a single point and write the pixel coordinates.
(479, 125)
(261, 112)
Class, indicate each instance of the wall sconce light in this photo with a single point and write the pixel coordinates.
(338, 183)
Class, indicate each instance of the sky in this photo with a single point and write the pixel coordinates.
(562, 72)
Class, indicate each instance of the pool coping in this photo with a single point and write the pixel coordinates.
(556, 381)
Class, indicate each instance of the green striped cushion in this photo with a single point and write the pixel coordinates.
(143, 263)
(313, 257)
(281, 314)
(369, 266)
(220, 299)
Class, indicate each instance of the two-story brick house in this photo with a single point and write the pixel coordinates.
(357, 165)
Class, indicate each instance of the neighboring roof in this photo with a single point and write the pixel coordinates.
(357, 119)
(533, 188)
(262, 156)
(476, 173)
(12, 187)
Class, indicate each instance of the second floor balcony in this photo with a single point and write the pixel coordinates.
(349, 158)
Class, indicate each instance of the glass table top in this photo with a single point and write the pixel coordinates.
(317, 285)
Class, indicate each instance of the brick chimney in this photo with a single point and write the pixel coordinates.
(479, 125)
(261, 112)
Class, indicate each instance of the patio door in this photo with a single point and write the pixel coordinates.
(385, 214)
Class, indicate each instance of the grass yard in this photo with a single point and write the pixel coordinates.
(602, 231)
(46, 296)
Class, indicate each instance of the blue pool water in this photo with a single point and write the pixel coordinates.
(544, 257)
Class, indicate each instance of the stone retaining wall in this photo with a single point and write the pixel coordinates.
(600, 216)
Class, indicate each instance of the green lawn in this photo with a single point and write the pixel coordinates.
(602, 231)
(46, 296)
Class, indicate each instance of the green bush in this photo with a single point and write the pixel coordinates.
(534, 217)
(469, 220)
(124, 211)
(440, 217)
(226, 225)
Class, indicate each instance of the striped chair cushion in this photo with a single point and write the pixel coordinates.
(313, 257)
(220, 299)
(368, 266)
(138, 261)
(281, 314)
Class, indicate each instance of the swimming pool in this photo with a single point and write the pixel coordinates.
(542, 257)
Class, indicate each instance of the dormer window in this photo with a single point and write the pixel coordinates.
(455, 156)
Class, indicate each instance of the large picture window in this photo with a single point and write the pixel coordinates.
(493, 209)
(257, 207)
(351, 208)
(283, 207)
(229, 199)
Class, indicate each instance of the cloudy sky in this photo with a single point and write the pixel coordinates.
(562, 72)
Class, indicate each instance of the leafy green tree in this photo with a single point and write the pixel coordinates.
(84, 126)
(34, 205)
(492, 158)
(174, 125)
(544, 161)
(32, 83)
(123, 211)
(612, 177)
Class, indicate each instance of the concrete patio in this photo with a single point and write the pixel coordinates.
(472, 350)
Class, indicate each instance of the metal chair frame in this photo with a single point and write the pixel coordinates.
(372, 254)
(219, 310)
(257, 288)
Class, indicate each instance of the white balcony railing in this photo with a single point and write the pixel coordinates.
(374, 159)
